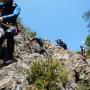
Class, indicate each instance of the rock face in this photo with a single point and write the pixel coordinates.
(13, 76)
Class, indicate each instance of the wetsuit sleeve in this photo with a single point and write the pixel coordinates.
(15, 13)
(1, 5)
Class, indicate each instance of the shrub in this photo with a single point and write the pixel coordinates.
(83, 85)
(47, 74)
(88, 53)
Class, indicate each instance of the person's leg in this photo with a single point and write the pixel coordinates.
(85, 59)
(1, 42)
(10, 45)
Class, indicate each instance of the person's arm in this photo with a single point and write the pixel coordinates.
(1, 5)
(14, 14)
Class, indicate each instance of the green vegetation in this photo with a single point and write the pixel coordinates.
(24, 29)
(83, 85)
(48, 74)
(78, 52)
(88, 45)
(87, 18)
(88, 53)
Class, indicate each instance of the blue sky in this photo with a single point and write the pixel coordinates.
(54, 19)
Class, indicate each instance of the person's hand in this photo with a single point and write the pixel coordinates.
(1, 18)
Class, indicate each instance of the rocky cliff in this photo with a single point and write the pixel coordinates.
(13, 76)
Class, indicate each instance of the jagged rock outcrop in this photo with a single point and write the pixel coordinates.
(13, 76)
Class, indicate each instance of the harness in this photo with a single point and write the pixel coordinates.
(9, 24)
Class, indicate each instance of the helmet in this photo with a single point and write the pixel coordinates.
(59, 41)
(81, 46)
(7, 1)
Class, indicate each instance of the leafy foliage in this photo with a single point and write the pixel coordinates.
(88, 41)
(88, 45)
(87, 18)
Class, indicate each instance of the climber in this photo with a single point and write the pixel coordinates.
(9, 12)
(61, 44)
(39, 41)
(37, 44)
(83, 53)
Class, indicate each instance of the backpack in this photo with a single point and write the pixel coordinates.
(61, 44)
